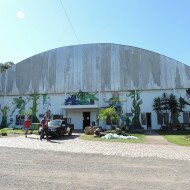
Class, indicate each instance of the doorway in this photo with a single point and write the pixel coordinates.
(148, 119)
(86, 119)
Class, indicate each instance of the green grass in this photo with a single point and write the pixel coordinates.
(9, 131)
(141, 139)
(181, 138)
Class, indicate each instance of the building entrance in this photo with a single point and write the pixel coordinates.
(148, 119)
(86, 119)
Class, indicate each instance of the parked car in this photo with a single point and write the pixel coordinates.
(59, 127)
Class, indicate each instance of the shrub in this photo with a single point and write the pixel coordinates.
(3, 133)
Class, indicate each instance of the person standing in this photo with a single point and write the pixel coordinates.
(48, 114)
(44, 125)
(27, 124)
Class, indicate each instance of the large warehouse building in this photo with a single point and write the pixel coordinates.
(77, 81)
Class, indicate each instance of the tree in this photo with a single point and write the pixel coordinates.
(109, 113)
(5, 66)
(157, 107)
(174, 107)
(169, 104)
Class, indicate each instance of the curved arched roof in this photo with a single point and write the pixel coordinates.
(94, 67)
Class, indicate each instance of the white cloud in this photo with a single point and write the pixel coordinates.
(20, 15)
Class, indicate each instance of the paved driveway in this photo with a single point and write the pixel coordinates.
(77, 145)
(27, 169)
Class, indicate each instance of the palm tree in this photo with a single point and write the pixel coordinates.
(109, 113)
(157, 107)
(164, 100)
(169, 104)
(174, 107)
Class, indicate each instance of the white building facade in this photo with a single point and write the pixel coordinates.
(78, 81)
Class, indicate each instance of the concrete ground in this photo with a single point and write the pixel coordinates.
(75, 145)
(71, 163)
(30, 169)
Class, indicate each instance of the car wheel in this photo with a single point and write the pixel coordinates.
(69, 131)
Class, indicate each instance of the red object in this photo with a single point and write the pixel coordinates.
(27, 123)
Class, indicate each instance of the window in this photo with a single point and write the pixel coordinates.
(41, 115)
(186, 117)
(57, 116)
(91, 102)
(20, 119)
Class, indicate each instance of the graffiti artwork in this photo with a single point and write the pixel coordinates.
(188, 93)
(19, 103)
(46, 102)
(81, 98)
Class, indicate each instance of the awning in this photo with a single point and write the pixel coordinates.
(66, 107)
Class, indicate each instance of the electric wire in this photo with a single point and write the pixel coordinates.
(72, 27)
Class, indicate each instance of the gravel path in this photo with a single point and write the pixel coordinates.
(77, 145)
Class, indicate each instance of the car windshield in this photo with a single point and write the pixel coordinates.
(54, 123)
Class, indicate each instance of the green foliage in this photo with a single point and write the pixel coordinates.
(44, 98)
(4, 112)
(157, 105)
(34, 109)
(109, 113)
(174, 107)
(136, 110)
(28, 113)
(5, 66)
(116, 103)
(20, 104)
(84, 98)
(169, 104)
(3, 132)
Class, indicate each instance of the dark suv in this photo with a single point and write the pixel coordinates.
(59, 127)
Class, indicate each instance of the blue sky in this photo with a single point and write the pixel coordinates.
(162, 26)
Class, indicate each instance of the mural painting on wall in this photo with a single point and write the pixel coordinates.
(4, 111)
(46, 102)
(81, 98)
(188, 93)
(34, 108)
(135, 110)
(19, 103)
